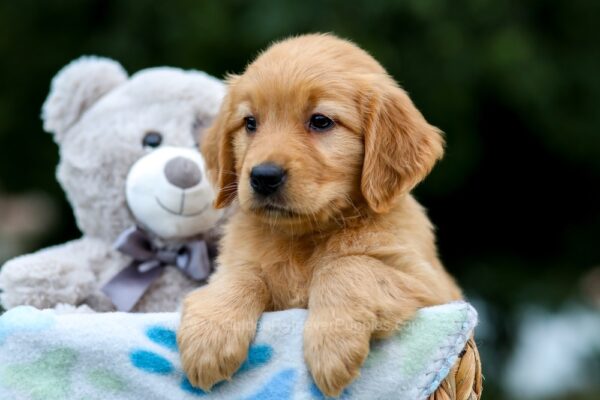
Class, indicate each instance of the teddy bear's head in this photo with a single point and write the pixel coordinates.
(128, 147)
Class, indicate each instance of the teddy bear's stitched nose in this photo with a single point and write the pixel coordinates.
(183, 172)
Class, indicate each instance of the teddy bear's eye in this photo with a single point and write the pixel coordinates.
(152, 139)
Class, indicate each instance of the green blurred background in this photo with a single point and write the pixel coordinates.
(514, 84)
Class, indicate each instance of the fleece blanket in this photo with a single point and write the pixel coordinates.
(45, 355)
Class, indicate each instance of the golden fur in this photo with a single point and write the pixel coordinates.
(348, 242)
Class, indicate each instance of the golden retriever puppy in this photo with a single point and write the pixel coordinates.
(319, 148)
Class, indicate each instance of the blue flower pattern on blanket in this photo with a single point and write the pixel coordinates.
(49, 356)
(258, 355)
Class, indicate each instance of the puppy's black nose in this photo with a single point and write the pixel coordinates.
(265, 179)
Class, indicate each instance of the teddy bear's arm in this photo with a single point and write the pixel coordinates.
(62, 274)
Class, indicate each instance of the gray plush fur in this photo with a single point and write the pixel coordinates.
(98, 117)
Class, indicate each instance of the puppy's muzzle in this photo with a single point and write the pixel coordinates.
(266, 179)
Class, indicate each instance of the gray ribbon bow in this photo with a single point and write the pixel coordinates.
(128, 286)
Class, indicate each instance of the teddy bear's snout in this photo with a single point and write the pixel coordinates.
(182, 172)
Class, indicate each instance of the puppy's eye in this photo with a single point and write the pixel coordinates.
(152, 139)
(320, 123)
(250, 124)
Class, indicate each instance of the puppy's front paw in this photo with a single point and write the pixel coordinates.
(211, 351)
(334, 355)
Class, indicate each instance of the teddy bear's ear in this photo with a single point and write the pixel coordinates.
(77, 87)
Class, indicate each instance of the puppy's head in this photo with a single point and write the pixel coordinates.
(314, 126)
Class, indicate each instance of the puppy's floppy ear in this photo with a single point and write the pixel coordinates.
(400, 146)
(217, 147)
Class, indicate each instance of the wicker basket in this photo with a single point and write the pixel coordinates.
(464, 381)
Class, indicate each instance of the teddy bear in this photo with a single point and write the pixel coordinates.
(133, 174)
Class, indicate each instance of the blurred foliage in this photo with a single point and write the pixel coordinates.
(515, 86)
